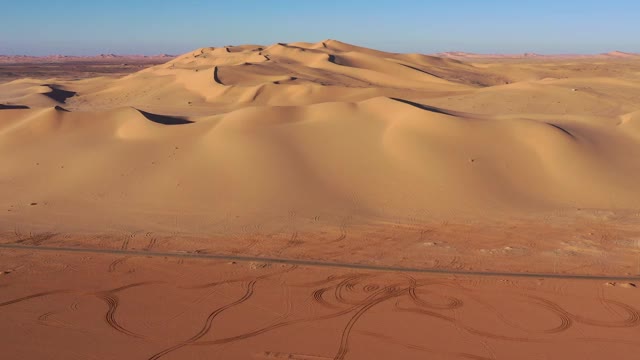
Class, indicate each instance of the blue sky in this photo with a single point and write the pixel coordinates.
(85, 27)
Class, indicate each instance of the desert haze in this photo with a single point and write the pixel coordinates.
(317, 201)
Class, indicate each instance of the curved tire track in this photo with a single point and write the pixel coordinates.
(208, 323)
(33, 296)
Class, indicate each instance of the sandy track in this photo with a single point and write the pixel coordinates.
(301, 262)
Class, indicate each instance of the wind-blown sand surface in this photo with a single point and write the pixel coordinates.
(328, 152)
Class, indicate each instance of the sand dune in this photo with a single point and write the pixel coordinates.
(259, 132)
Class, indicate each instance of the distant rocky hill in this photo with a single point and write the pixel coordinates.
(460, 55)
(22, 59)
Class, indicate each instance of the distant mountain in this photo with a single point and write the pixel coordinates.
(460, 55)
(20, 59)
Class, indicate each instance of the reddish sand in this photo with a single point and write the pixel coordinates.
(66, 306)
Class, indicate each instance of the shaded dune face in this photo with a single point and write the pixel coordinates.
(164, 120)
(57, 94)
(10, 107)
(326, 127)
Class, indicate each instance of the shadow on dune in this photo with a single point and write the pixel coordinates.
(60, 108)
(422, 71)
(57, 94)
(426, 107)
(216, 78)
(12, 107)
(332, 59)
(164, 120)
(565, 131)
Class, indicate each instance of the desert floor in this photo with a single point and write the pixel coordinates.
(320, 201)
(84, 305)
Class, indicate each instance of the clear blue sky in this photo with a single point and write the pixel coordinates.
(83, 27)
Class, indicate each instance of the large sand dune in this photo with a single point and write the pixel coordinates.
(264, 142)
(325, 128)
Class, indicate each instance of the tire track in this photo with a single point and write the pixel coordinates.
(318, 297)
(294, 238)
(152, 241)
(292, 242)
(453, 302)
(343, 235)
(34, 296)
(346, 332)
(632, 319)
(67, 291)
(493, 309)
(344, 224)
(44, 317)
(151, 244)
(456, 263)
(249, 246)
(114, 264)
(35, 239)
(45, 320)
(564, 316)
(243, 279)
(329, 279)
(113, 302)
(266, 329)
(468, 329)
(208, 323)
(129, 286)
(288, 308)
(349, 285)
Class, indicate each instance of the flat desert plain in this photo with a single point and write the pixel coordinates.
(316, 201)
